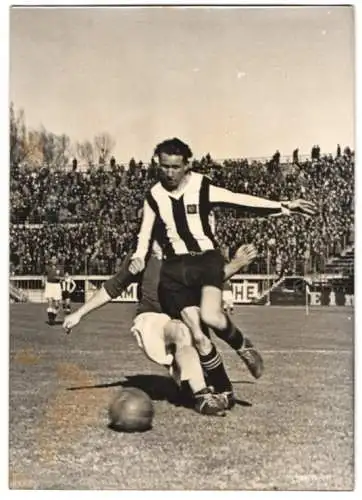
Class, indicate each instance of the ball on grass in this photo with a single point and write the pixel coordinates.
(131, 410)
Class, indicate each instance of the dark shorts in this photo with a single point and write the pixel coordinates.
(65, 295)
(183, 277)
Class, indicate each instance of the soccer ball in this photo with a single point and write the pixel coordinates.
(131, 411)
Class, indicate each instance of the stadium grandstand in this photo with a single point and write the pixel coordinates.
(88, 218)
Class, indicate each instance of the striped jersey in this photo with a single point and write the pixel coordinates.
(179, 219)
(182, 219)
(68, 284)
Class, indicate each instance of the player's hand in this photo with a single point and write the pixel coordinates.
(136, 266)
(71, 321)
(303, 207)
(245, 254)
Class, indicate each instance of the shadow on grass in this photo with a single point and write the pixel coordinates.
(158, 387)
(56, 322)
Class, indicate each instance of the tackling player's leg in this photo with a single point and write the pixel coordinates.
(168, 342)
(187, 359)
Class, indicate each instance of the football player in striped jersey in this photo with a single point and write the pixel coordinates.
(192, 270)
(68, 286)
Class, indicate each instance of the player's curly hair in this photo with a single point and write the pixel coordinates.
(174, 147)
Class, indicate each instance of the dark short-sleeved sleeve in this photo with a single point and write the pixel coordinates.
(122, 279)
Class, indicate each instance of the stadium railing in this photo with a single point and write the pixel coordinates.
(247, 289)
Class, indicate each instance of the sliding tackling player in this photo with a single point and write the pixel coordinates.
(168, 342)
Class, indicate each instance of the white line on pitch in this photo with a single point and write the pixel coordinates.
(263, 351)
(307, 351)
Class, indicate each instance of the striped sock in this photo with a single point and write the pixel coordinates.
(215, 371)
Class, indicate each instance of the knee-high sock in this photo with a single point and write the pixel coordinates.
(214, 369)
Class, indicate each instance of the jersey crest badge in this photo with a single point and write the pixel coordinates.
(191, 209)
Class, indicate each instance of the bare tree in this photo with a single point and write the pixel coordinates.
(18, 137)
(62, 150)
(43, 147)
(85, 152)
(34, 149)
(103, 146)
(48, 147)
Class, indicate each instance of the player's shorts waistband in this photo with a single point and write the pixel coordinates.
(190, 254)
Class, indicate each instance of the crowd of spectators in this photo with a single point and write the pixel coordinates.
(89, 219)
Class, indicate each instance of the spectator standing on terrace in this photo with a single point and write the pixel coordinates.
(295, 156)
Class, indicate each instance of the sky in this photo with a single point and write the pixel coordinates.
(235, 82)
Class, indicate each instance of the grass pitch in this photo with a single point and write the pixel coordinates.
(292, 429)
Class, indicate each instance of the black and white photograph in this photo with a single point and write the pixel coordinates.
(181, 247)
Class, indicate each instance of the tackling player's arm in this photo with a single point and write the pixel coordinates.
(261, 205)
(244, 255)
(144, 239)
(110, 289)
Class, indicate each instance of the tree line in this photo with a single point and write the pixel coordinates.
(38, 147)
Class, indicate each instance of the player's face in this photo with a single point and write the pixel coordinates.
(172, 170)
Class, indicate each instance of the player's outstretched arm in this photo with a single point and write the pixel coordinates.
(301, 206)
(111, 289)
(137, 264)
(100, 298)
(267, 207)
(244, 255)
